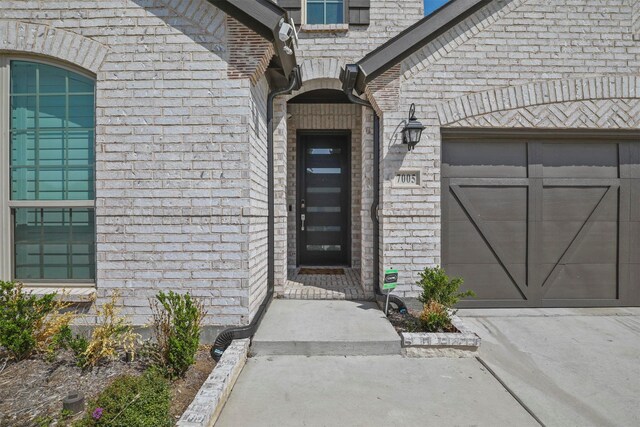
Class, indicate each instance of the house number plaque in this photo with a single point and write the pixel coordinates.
(407, 179)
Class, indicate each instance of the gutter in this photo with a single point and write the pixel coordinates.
(225, 338)
(348, 76)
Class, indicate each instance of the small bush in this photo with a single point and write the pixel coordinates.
(22, 316)
(439, 294)
(437, 286)
(176, 325)
(131, 401)
(78, 345)
(434, 318)
(112, 335)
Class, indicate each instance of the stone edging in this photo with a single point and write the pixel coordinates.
(208, 403)
(465, 340)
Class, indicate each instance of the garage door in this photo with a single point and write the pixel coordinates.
(542, 219)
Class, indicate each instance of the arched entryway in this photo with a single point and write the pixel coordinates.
(324, 196)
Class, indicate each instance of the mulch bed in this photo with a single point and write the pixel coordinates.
(324, 271)
(409, 321)
(32, 390)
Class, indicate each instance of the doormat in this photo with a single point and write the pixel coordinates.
(325, 271)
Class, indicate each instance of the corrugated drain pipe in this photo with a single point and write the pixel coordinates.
(225, 337)
(393, 299)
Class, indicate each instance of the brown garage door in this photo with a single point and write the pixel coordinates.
(542, 219)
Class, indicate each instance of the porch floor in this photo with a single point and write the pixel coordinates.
(324, 286)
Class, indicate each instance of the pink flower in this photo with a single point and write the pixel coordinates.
(97, 414)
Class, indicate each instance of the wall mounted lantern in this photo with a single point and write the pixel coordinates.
(413, 130)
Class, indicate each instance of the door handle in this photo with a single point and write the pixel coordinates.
(302, 218)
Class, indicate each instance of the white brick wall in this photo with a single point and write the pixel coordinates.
(179, 147)
(322, 54)
(515, 64)
(635, 17)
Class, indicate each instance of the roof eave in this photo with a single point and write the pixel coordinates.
(263, 17)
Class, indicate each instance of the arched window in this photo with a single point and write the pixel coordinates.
(49, 206)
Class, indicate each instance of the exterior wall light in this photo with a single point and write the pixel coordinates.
(413, 130)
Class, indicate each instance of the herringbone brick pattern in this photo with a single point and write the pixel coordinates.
(601, 114)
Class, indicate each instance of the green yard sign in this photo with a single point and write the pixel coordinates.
(390, 280)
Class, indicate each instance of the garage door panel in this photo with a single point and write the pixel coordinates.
(485, 160)
(490, 281)
(599, 242)
(491, 203)
(575, 204)
(583, 281)
(634, 243)
(498, 203)
(467, 245)
(580, 160)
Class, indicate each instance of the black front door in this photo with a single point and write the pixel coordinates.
(324, 198)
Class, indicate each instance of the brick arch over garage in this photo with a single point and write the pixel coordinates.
(44, 40)
(597, 102)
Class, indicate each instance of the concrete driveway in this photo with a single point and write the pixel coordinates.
(570, 367)
(368, 391)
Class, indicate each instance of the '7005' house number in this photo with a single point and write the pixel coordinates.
(407, 179)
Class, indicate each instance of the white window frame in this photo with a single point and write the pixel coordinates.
(345, 11)
(6, 204)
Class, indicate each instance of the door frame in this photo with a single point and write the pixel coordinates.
(299, 184)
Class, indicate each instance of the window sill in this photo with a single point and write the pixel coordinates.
(75, 294)
(324, 28)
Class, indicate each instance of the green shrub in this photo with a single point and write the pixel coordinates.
(439, 294)
(21, 317)
(176, 324)
(437, 286)
(131, 401)
(78, 344)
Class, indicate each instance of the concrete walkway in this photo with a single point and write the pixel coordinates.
(567, 367)
(368, 391)
(325, 328)
(571, 367)
(338, 363)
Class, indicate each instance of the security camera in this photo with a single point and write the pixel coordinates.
(286, 31)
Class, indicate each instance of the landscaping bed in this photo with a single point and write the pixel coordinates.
(435, 330)
(125, 381)
(31, 391)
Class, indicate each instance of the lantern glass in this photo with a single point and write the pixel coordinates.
(414, 135)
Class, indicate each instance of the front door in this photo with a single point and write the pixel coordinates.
(324, 177)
